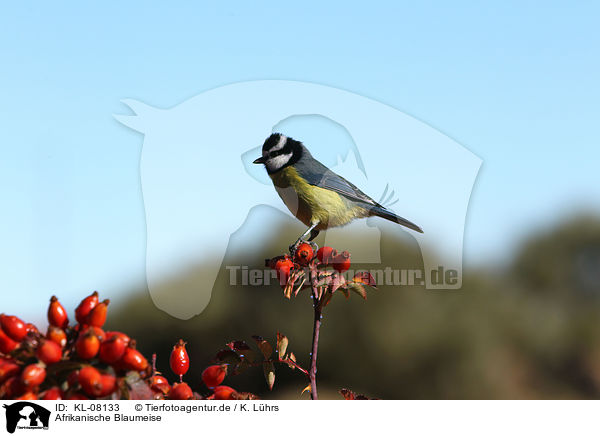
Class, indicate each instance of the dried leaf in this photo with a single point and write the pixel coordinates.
(299, 287)
(292, 279)
(365, 278)
(292, 357)
(269, 371)
(306, 389)
(338, 282)
(358, 288)
(324, 278)
(264, 346)
(238, 345)
(227, 356)
(243, 350)
(347, 394)
(244, 396)
(137, 389)
(282, 344)
(326, 299)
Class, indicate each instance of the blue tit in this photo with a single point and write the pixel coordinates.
(313, 193)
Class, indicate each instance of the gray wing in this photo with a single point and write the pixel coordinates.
(317, 174)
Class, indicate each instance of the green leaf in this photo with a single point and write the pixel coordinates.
(269, 370)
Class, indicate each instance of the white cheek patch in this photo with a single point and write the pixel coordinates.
(277, 162)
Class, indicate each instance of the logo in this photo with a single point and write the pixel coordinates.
(26, 415)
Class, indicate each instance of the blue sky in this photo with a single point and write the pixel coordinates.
(514, 82)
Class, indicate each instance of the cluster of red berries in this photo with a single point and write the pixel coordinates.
(85, 362)
(212, 377)
(78, 362)
(304, 255)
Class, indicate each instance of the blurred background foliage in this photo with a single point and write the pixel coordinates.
(524, 330)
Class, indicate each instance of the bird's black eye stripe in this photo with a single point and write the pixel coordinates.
(278, 152)
(287, 149)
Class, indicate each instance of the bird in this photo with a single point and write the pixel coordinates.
(314, 194)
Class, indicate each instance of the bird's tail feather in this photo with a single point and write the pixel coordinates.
(384, 213)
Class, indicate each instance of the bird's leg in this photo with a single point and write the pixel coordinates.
(313, 234)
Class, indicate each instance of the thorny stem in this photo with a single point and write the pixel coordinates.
(316, 328)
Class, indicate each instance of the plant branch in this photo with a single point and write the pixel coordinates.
(316, 329)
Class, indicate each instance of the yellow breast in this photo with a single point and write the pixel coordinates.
(310, 203)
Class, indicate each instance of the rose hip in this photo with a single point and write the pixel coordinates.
(214, 375)
(179, 360)
(57, 315)
(14, 327)
(49, 352)
(33, 375)
(85, 307)
(181, 391)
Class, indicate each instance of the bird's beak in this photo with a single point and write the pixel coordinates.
(260, 160)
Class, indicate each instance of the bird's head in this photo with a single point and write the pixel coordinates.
(279, 151)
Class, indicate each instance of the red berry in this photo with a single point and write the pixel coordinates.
(57, 315)
(76, 396)
(8, 369)
(304, 254)
(85, 307)
(326, 255)
(272, 263)
(57, 335)
(49, 352)
(27, 396)
(33, 375)
(119, 334)
(90, 380)
(87, 345)
(108, 384)
(341, 262)
(181, 391)
(224, 393)
(283, 267)
(53, 393)
(97, 316)
(283, 275)
(133, 360)
(111, 350)
(6, 343)
(160, 384)
(214, 375)
(284, 263)
(179, 361)
(97, 331)
(13, 387)
(14, 327)
(31, 328)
